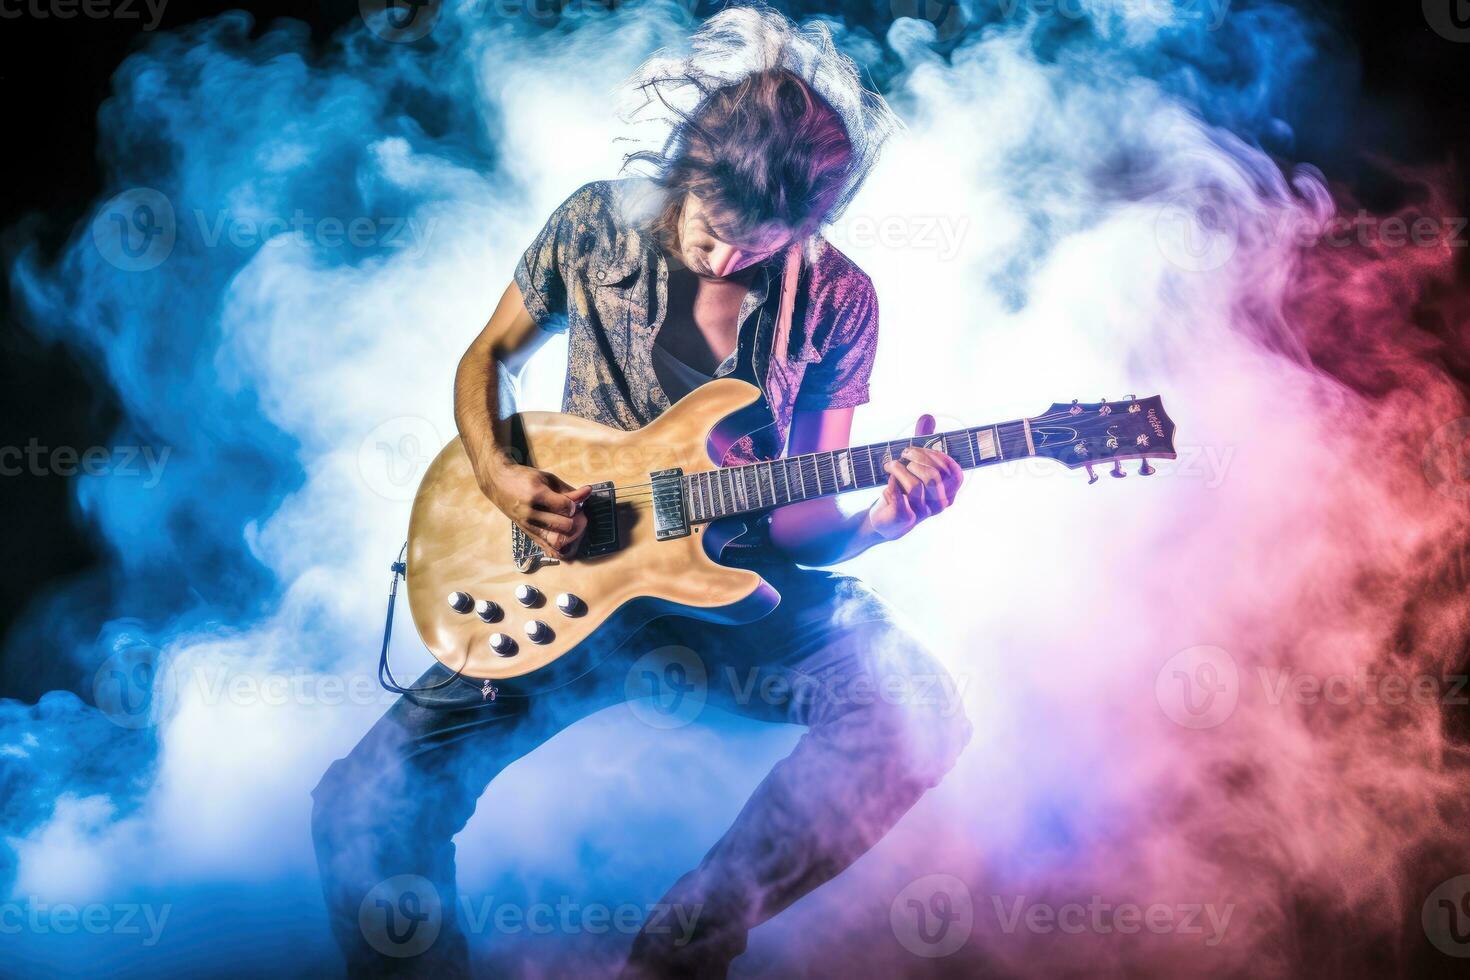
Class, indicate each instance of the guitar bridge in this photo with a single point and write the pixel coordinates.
(525, 553)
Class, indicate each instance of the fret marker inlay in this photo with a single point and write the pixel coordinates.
(985, 440)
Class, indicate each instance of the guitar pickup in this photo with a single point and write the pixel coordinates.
(670, 520)
(600, 508)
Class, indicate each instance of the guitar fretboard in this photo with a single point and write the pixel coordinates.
(754, 487)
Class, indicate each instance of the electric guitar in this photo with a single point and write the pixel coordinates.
(489, 604)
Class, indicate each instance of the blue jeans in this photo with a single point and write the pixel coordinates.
(884, 723)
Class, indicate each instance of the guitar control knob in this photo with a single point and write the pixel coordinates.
(528, 595)
(504, 645)
(538, 632)
(569, 604)
(461, 602)
(489, 611)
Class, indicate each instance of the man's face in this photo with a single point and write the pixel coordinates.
(709, 256)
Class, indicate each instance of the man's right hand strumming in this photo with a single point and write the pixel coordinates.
(545, 506)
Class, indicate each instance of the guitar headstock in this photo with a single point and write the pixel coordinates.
(1084, 434)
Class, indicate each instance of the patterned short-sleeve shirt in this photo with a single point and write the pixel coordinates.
(597, 271)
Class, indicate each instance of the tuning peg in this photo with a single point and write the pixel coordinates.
(1118, 469)
(1146, 470)
(1091, 476)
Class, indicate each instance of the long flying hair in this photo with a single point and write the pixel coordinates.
(765, 121)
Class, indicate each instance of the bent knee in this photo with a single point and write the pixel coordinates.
(370, 794)
(934, 738)
(331, 800)
(919, 710)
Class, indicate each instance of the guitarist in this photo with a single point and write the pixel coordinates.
(713, 267)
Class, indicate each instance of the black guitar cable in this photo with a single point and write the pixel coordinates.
(385, 673)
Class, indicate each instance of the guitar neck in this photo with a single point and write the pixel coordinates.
(753, 487)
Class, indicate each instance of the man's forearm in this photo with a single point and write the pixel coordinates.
(819, 533)
(510, 335)
(477, 407)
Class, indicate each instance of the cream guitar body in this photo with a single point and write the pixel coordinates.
(489, 605)
(459, 543)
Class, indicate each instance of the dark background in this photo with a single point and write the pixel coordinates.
(1411, 105)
